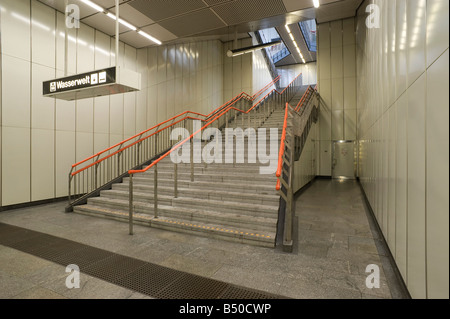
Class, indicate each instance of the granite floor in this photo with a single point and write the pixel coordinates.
(335, 242)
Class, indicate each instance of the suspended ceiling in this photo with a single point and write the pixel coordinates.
(178, 20)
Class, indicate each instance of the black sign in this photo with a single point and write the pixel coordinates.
(80, 81)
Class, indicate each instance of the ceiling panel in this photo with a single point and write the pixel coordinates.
(135, 40)
(178, 20)
(103, 23)
(337, 10)
(192, 23)
(295, 5)
(216, 2)
(241, 11)
(159, 32)
(130, 14)
(159, 10)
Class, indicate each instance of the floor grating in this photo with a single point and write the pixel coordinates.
(131, 273)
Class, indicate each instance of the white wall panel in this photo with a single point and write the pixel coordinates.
(15, 92)
(401, 47)
(392, 167)
(416, 188)
(42, 164)
(101, 142)
(43, 34)
(15, 165)
(337, 62)
(349, 58)
(437, 29)
(129, 114)
(102, 50)
(350, 125)
(337, 125)
(336, 33)
(416, 21)
(403, 114)
(60, 46)
(401, 191)
(42, 108)
(15, 24)
(85, 115)
(84, 145)
(337, 94)
(323, 38)
(116, 114)
(350, 93)
(101, 114)
(65, 157)
(130, 58)
(85, 49)
(437, 184)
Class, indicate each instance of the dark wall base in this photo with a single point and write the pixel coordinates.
(35, 203)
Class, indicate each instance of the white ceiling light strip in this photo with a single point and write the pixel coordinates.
(148, 36)
(295, 43)
(316, 3)
(93, 5)
(121, 21)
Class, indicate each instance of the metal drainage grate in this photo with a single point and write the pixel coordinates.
(134, 274)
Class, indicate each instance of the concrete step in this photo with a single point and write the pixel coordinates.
(217, 178)
(210, 230)
(245, 221)
(121, 190)
(143, 203)
(241, 186)
(238, 208)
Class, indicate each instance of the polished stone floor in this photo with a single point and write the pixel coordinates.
(334, 243)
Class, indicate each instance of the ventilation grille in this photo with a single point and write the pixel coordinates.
(163, 9)
(193, 23)
(249, 10)
(134, 274)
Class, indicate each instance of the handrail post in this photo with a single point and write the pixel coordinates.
(192, 159)
(70, 186)
(175, 180)
(155, 192)
(130, 198)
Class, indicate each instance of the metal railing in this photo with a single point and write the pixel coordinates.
(253, 116)
(297, 124)
(98, 172)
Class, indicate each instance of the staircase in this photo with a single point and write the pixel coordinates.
(232, 202)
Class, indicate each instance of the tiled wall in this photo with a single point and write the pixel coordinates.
(237, 71)
(183, 77)
(289, 72)
(42, 137)
(337, 87)
(403, 127)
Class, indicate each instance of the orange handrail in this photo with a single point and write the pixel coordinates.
(282, 144)
(283, 136)
(238, 97)
(266, 87)
(132, 144)
(202, 128)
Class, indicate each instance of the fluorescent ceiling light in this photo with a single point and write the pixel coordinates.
(93, 5)
(316, 3)
(148, 36)
(121, 21)
(287, 28)
(292, 37)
